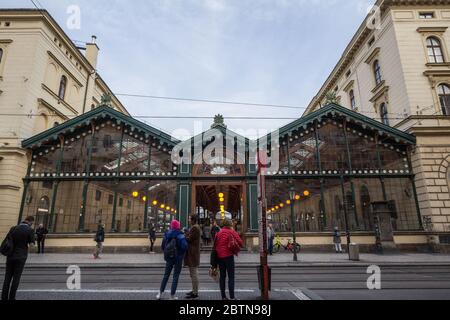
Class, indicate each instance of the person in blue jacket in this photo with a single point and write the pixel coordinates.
(174, 246)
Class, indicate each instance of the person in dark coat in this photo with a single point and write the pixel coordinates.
(214, 230)
(22, 236)
(152, 237)
(337, 240)
(173, 263)
(99, 238)
(41, 234)
(192, 258)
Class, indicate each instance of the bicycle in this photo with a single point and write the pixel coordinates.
(288, 247)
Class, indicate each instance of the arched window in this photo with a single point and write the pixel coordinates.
(434, 48)
(351, 95)
(377, 72)
(62, 87)
(384, 115)
(1, 55)
(444, 98)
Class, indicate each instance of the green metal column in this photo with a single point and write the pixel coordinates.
(413, 183)
(347, 230)
(86, 182)
(252, 206)
(323, 212)
(351, 169)
(26, 185)
(147, 186)
(51, 225)
(184, 192)
(380, 167)
(114, 213)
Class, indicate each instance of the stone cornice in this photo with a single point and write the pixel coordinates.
(54, 95)
(373, 55)
(432, 29)
(64, 68)
(50, 107)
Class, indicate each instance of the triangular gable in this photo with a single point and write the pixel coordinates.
(357, 118)
(98, 113)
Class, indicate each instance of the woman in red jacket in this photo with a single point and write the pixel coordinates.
(227, 244)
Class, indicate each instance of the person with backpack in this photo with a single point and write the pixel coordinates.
(227, 244)
(174, 246)
(192, 258)
(15, 248)
(41, 234)
(99, 238)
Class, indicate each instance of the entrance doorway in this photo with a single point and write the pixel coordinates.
(215, 200)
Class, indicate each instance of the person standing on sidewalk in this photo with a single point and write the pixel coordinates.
(152, 237)
(21, 237)
(41, 234)
(192, 259)
(174, 246)
(227, 244)
(270, 238)
(207, 233)
(99, 238)
(337, 240)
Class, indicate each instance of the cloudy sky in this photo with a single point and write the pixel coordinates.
(258, 51)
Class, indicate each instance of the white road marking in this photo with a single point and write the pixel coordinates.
(300, 295)
(119, 291)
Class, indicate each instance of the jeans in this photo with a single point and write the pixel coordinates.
(271, 246)
(193, 271)
(338, 247)
(177, 265)
(226, 266)
(98, 249)
(13, 272)
(41, 245)
(152, 243)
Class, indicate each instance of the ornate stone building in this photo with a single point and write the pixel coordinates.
(45, 80)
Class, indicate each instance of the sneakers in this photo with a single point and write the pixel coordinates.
(191, 295)
(173, 298)
(159, 296)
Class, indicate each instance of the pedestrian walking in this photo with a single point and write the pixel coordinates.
(226, 245)
(41, 234)
(214, 230)
(192, 258)
(270, 238)
(337, 240)
(152, 237)
(206, 233)
(174, 246)
(99, 238)
(15, 247)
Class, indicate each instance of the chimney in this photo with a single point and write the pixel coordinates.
(92, 52)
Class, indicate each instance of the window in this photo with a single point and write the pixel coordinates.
(120, 202)
(444, 98)
(426, 15)
(98, 195)
(377, 72)
(62, 87)
(128, 204)
(55, 124)
(434, 49)
(371, 41)
(384, 114)
(1, 55)
(349, 72)
(352, 99)
(110, 199)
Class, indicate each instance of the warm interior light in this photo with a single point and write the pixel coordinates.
(144, 198)
(135, 194)
(155, 202)
(281, 205)
(306, 193)
(163, 206)
(221, 195)
(288, 202)
(222, 200)
(297, 197)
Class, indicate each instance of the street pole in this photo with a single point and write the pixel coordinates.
(262, 204)
(293, 221)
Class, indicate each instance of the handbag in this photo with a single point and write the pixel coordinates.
(7, 246)
(214, 274)
(233, 246)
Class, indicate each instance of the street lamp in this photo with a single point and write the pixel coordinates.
(292, 197)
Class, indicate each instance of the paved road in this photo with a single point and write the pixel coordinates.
(289, 283)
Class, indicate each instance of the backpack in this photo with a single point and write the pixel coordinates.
(7, 246)
(170, 250)
(233, 245)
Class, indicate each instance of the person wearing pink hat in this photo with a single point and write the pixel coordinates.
(174, 246)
